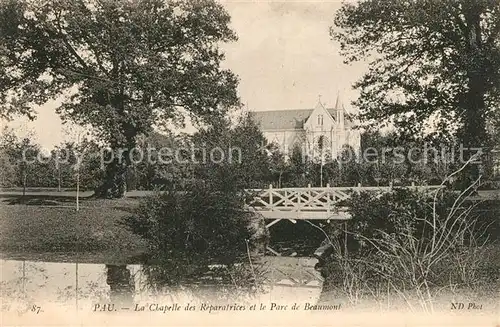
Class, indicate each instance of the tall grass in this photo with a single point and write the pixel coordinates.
(428, 248)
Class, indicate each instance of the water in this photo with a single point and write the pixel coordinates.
(37, 292)
(27, 284)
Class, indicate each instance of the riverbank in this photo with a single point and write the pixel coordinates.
(44, 224)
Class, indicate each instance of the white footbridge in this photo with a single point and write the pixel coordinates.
(311, 203)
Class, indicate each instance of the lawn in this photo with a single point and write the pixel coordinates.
(56, 231)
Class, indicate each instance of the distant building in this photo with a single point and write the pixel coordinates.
(318, 130)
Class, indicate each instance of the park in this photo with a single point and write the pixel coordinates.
(159, 183)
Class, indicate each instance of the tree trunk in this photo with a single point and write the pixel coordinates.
(115, 182)
(24, 185)
(474, 134)
(58, 179)
(474, 131)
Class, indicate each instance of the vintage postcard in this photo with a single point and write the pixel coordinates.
(250, 163)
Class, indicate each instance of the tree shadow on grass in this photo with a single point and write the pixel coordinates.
(33, 199)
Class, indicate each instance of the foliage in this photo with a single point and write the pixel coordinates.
(404, 161)
(433, 65)
(189, 229)
(244, 164)
(205, 221)
(298, 168)
(440, 56)
(277, 165)
(69, 159)
(7, 156)
(202, 223)
(25, 164)
(240, 161)
(91, 171)
(392, 213)
(151, 169)
(407, 241)
(347, 169)
(119, 67)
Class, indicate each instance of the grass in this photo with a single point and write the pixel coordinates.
(486, 301)
(361, 291)
(56, 229)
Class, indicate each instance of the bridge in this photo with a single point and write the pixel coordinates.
(311, 203)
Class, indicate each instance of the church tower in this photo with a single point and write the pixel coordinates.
(339, 112)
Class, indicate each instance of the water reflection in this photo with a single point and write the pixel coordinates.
(82, 285)
(215, 283)
(121, 285)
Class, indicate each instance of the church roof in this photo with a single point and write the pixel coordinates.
(281, 119)
(291, 119)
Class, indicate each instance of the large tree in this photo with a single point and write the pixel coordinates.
(429, 61)
(119, 67)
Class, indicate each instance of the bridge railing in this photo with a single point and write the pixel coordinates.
(313, 199)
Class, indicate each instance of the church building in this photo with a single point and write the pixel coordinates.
(319, 131)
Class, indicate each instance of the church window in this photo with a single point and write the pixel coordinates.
(321, 142)
(320, 119)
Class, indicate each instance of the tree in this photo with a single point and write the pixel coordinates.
(8, 164)
(430, 60)
(231, 155)
(209, 219)
(156, 170)
(277, 164)
(300, 167)
(84, 157)
(25, 165)
(407, 161)
(119, 67)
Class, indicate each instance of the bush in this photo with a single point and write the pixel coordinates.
(198, 223)
(392, 213)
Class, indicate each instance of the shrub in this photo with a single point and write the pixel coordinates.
(392, 213)
(198, 223)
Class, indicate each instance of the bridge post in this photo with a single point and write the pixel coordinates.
(270, 194)
(359, 188)
(308, 192)
(328, 199)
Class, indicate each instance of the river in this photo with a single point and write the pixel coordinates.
(94, 286)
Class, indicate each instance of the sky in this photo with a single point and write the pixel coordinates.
(284, 58)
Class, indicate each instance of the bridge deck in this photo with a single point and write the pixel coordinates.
(304, 214)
